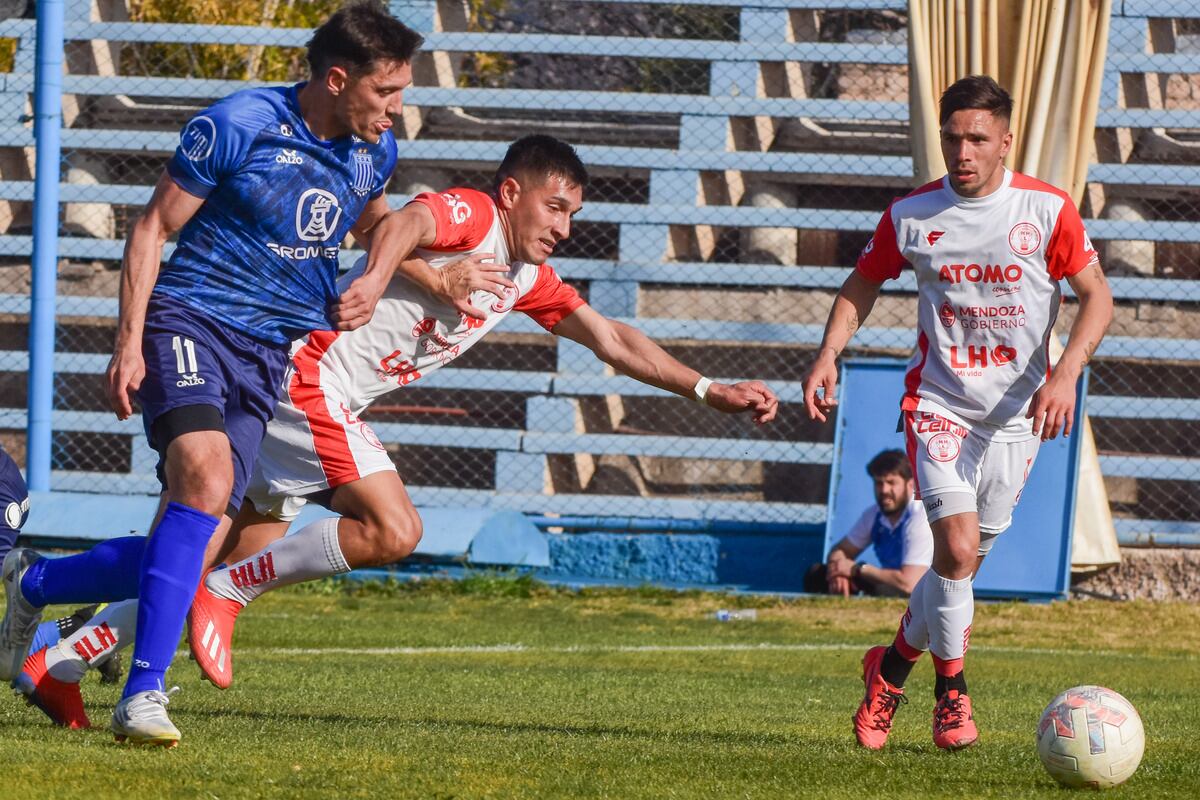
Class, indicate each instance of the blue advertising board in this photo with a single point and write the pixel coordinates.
(1032, 559)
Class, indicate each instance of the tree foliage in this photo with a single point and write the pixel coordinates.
(227, 62)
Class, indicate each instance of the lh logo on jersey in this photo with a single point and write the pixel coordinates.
(198, 138)
(933, 237)
(979, 357)
(317, 215)
(1024, 238)
(364, 172)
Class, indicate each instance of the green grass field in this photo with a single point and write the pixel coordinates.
(501, 688)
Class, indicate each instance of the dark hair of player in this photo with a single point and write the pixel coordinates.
(890, 462)
(975, 92)
(359, 35)
(538, 157)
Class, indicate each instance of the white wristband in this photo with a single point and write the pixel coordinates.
(700, 391)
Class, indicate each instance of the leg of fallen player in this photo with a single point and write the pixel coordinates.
(379, 525)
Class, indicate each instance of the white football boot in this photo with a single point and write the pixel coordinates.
(142, 719)
(20, 617)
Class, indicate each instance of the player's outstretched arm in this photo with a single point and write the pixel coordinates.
(850, 309)
(1053, 405)
(632, 353)
(169, 209)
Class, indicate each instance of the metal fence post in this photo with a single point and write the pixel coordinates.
(47, 103)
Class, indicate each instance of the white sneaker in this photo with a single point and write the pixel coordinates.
(20, 617)
(142, 719)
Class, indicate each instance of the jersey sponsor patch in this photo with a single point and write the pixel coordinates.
(317, 215)
(198, 138)
(13, 514)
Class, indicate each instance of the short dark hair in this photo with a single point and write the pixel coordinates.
(889, 462)
(539, 157)
(358, 35)
(975, 92)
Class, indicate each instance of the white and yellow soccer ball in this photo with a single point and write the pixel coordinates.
(1090, 736)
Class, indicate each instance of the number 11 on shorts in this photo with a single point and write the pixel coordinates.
(183, 347)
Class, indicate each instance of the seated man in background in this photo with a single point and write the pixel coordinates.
(895, 526)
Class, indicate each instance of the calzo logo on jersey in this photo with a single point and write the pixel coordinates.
(364, 172)
(317, 215)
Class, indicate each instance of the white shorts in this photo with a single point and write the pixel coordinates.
(958, 470)
(314, 443)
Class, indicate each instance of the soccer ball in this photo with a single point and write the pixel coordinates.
(1090, 736)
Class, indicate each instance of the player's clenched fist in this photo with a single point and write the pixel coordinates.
(752, 396)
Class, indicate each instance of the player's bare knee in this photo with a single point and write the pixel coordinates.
(403, 533)
(206, 491)
(393, 537)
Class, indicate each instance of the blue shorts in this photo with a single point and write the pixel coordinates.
(193, 360)
(14, 503)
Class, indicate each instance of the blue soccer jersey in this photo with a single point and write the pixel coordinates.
(261, 254)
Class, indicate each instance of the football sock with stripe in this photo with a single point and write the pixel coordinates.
(170, 573)
(107, 633)
(312, 552)
(106, 573)
(950, 607)
(912, 638)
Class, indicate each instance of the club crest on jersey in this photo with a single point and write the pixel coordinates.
(943, 447)
(364, 172)
(198, 138)
(369, 436)
(1024, 238)
(317, 215)
(506, 302)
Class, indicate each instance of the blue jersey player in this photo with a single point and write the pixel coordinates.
(263, 188)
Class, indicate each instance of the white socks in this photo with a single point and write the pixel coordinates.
(913, 625)
(109, 631)
(949, 609)
(310, 553)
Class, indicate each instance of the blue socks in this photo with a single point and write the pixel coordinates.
(47, 634)
(106, 573)
(171, 568)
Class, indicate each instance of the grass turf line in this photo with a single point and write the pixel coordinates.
(612, 694)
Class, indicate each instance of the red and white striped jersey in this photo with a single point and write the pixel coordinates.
(412, 333)
(988, 272)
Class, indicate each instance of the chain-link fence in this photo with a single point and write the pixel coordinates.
(740, 157)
